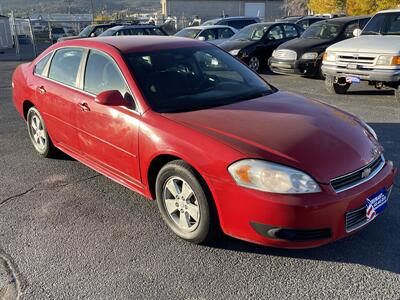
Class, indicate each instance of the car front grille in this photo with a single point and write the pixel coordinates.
(359, 176)
(285, 54)
(367, 60)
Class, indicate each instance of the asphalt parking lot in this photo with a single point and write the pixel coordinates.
(67, 232)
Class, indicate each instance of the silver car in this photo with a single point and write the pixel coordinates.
(216, 34)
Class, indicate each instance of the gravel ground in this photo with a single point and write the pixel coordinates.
(67, 232)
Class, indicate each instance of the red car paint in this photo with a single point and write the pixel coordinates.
(284, 128)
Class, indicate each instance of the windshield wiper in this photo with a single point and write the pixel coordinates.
(371, 33)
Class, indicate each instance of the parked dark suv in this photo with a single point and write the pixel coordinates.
(303, 56)
(235, 22)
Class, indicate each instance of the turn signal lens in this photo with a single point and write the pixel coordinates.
(396, 60)
(243, 173)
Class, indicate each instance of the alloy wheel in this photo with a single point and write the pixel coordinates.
(254, 63)
(37, 132)
(181, 204)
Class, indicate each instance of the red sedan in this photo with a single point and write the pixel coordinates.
(185, 123)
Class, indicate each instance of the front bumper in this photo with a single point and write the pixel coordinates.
(296, 67)
(299, 221)
(373, 74)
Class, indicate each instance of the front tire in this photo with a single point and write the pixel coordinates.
(333, 85)
(254, 63)
(38, 133)
(185, 203)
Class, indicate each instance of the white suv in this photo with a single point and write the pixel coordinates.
(373, 56)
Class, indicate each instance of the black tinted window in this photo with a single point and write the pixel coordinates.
(348, 32)
(65, 65)
(275, 33)
(385, 23)
(41, 65)
(102, 74)
(240, 23)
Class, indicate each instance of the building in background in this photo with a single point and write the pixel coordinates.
(267, 10)
(6, 40)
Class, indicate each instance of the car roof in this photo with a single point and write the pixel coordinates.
(139, 43)
(344, 20)
(201, 27)
(119, 27)
(233, 18)
(389, 11)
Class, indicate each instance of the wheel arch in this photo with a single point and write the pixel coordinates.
(26, 105)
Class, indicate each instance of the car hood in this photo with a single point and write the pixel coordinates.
(235, 44)
(289, 129)
(305, 45)
(67, 38)
(382, 44)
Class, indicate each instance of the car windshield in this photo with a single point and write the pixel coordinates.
(252, 32)
(383, 24)
(85, 32)
(322, 30)
(188, 79)
(188, 32)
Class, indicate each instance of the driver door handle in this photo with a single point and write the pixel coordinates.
(41, 89)
(84, 106)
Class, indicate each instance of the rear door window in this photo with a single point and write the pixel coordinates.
(208, 34)
(65, 65)
(290, 31)
(224, 33)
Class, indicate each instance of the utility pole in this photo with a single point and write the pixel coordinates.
(91, 3)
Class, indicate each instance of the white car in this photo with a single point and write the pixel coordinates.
(373, 56)
(215, 34)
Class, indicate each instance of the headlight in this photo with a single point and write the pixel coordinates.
(271, 177)
(388, 60)
(310, 55)
(234, 52)
(370, 129)
(330, 56)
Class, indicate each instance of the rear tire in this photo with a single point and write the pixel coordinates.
(185, 203)
(333, 87)
(38, 134)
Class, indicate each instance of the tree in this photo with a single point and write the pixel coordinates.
(367, 7)
(295, 7)
(327, 6)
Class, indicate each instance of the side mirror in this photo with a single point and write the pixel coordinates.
(357, 32)
(92, 34)
(201, 38)
(111, 98)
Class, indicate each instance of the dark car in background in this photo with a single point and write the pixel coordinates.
(255, 43)
(235, 22)
(90, 31)
(306, 22)
(303, 56)
(134, 30)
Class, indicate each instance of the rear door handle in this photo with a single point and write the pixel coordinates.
(42, 90)
(84, 106)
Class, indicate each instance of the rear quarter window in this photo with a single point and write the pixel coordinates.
(41, 65)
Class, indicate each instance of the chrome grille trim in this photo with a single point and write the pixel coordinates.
(285, 54)
(374, 172)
